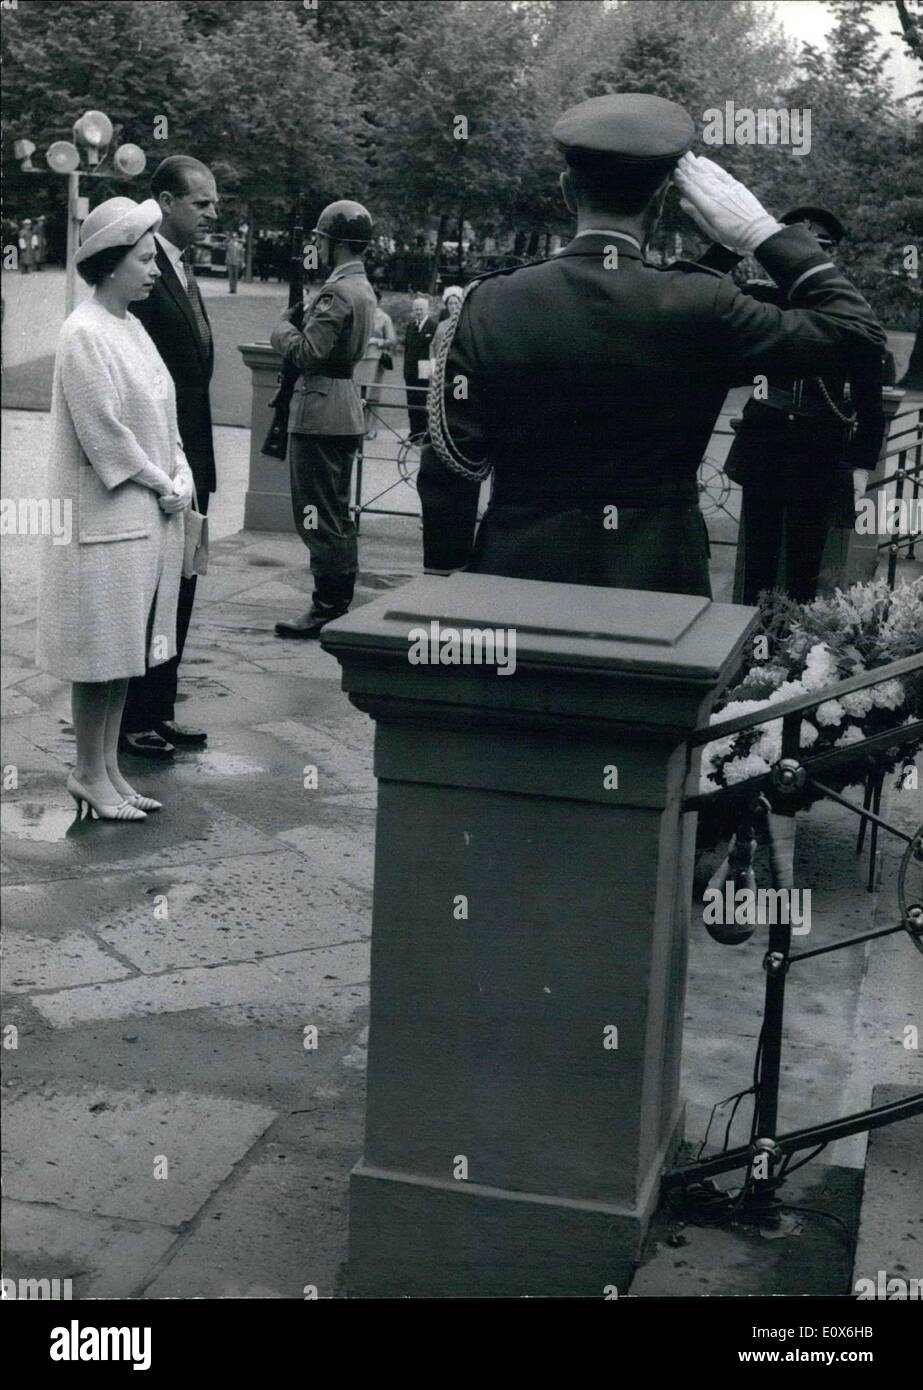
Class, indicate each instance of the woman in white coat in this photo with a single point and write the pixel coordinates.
(107, 598)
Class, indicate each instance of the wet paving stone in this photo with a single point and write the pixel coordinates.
(301, 978)
(96, 1150)
(240, 909)
(103, 1257)
(44, 839)
(35, 962)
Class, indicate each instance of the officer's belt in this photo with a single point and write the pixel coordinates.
(792, 404)
(510, 492)
(331, 374)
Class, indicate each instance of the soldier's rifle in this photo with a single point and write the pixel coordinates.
(276, 443)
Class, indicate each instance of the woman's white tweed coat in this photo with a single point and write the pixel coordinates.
(113, 413)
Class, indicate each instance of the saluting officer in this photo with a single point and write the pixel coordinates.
(803, 450)
(590, 382)
(326, 419)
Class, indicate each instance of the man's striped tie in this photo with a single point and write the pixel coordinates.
(195, 303)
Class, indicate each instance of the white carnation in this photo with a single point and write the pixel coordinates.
(742, 769)
(808, 736)
(888, 696)
(853, 734)
(830, 712)
(819, 668)
(769, 744)
(858, 704)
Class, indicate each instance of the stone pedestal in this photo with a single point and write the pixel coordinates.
(532, 885)
(268, 503)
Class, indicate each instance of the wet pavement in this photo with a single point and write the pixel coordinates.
(184, 1097)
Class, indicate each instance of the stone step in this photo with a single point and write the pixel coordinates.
(889, 1250)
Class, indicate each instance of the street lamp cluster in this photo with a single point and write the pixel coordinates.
(92, 134)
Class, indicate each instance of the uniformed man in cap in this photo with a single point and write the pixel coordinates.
(803, 450)
(590, 382)
(326, 419)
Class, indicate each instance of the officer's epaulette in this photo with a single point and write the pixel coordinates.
(504, 270)
(691, 265)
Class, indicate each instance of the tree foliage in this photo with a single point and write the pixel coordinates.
(362, 98)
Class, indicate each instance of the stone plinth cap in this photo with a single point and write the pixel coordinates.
(259, 355)
(562, 627)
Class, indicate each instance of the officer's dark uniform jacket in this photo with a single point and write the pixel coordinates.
(589, 387)
(835, 422)
(337, 328)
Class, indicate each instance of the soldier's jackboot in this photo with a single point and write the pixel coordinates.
(333, 593)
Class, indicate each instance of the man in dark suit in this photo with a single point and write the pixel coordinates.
(417, 338)
(174, 315)
(590, 382)
(803, 450)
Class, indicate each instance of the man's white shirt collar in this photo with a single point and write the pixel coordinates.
(608, 231)
(175, 257)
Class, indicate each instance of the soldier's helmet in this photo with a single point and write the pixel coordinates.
(345, 221)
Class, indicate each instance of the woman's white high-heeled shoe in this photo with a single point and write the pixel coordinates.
(144, 803)
(115, 810)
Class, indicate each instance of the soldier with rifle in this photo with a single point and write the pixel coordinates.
(326, 419)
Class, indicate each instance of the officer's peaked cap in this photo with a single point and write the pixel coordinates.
(830, 223)
(624, 130)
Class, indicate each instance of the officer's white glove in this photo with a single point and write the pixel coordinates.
(721, 206)
(860, 481)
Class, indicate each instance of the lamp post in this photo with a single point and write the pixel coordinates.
(92, 134)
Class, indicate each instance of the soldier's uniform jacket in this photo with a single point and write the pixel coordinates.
(337, 328)
(589, 386)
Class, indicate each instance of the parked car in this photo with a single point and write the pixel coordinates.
(210, 254)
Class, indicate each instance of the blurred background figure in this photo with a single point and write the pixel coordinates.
(40, 242)
(378, 359)
(452, 297)
(234, 261)
(417, 338)
(27, 246)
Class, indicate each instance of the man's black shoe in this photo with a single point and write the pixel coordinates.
(183, 738)
(146, 745)
(306, 627)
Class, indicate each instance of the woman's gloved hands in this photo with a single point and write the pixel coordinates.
(181, 496)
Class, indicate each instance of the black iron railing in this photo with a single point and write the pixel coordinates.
(767, 1157)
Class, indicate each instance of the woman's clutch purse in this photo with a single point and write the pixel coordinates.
(195, 553)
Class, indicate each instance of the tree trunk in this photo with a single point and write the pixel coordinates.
(910, 29)
(440, 233)
(248, 259)
(912, 380)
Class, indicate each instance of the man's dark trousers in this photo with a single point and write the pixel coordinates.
(321, 473)
(152, 699)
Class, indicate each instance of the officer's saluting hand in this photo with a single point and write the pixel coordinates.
(721, 206)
